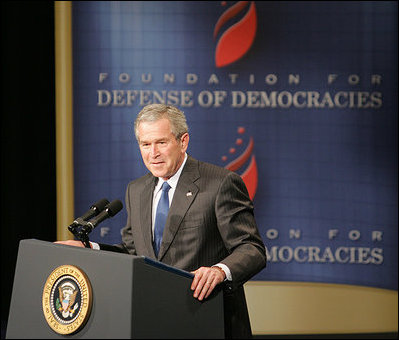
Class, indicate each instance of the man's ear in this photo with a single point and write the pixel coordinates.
(184, 141)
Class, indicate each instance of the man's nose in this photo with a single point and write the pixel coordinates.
(154, 150)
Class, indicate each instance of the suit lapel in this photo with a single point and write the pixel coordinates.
(146, 214)
(185, 193)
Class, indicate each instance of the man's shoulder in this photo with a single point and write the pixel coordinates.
(212, 170)
(143, 180)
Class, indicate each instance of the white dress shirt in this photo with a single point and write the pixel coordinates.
(157, 191)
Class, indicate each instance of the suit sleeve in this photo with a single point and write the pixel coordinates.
(127, 246)
(237, 226)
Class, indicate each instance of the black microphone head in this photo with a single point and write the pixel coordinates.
(114, 207)
(94, 210)
(100, 205)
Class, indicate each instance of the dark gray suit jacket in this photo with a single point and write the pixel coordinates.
(210, 221)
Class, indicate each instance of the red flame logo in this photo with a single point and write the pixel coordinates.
(250, 174)
(236, 40)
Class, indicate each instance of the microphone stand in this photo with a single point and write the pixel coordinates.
(82, 235)
(86, 227)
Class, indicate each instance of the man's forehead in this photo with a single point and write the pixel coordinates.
(153, 136)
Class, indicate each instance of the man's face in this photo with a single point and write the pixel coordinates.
(162, 153)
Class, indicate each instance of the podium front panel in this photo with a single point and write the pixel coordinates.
(131, 297)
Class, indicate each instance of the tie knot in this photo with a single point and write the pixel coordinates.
(165, 186)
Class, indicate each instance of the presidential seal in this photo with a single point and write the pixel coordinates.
(67, 299)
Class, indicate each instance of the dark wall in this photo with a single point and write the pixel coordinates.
(28, 196)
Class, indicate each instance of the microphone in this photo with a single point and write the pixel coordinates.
(94, 210)
(110, 210)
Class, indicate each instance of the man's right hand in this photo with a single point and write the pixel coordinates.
(71, 243)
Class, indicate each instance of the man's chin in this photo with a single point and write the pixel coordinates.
(158, 173)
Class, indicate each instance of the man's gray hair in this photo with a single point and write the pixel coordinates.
(155, 112)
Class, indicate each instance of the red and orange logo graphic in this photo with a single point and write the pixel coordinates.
(250, 174)
(235, 42)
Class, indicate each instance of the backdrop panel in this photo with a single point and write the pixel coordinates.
(299, 98)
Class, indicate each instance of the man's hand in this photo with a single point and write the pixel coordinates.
(205, 280)
(71, 243)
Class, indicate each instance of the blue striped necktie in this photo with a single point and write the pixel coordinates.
(161, 216)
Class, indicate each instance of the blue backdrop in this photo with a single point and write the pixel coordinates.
(300, 98)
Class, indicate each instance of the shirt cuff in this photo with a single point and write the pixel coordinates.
(226, 271)
(94, 245)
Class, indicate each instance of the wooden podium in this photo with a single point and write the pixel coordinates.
(121, 296)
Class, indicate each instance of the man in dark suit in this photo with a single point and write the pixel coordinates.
(210, 228)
